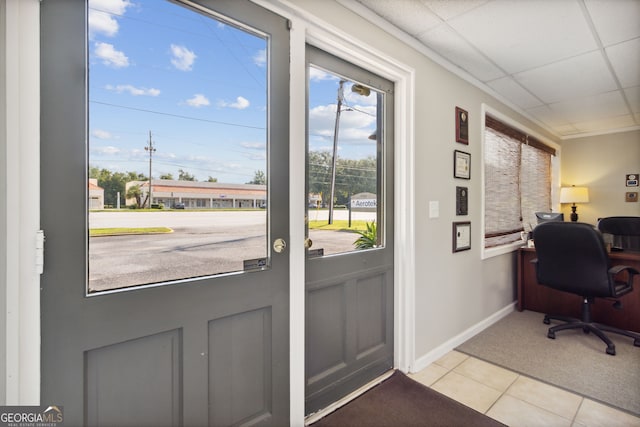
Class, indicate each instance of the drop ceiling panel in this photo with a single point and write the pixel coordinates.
(615, 20)
(625, 59)
(603, 105)
(633, 96)
(410, 15)
(601, 125)
(515, 93)
(547, 116)
(444, 41)
(572, 78)
(518, 35)
(450, 9)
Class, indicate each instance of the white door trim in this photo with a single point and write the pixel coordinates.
(21, 219)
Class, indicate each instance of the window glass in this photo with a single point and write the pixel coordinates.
(177, 150)
(343, 164)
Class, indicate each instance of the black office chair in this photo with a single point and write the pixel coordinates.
(572, 257)
(625, 231)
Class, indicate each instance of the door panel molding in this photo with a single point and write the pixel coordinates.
(150, 370)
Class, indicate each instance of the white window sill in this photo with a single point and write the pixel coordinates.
(501, 250)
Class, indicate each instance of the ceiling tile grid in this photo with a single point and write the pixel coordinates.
(625, 60)
(446, 42)
(572, 65)
(571, 78)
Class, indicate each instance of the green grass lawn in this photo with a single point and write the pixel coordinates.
(94, 232)
(339, 225)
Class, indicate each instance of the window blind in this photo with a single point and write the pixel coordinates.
(517, 182)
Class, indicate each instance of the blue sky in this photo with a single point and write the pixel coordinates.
(199, 86)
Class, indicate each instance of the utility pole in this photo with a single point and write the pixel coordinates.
(335, 150)
(151, 149)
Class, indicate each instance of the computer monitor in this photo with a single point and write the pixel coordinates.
(549, 216)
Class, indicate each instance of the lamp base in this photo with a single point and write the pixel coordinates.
(574, 214)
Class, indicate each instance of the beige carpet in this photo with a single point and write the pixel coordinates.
(574, 361)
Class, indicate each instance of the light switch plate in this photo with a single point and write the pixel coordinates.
(434, 209)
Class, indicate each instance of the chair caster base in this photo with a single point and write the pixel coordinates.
(636, 342)
(546, 321)
(611, 351)
(551, 335)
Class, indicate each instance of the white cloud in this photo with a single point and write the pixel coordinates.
(135, 91)
(355, 126)
(101, 134)
(260, 58)
(255, 156)
(110, 56)
(106, 150)
(182, 58)
(101, 16)
(240, 104)
(254, 145)
(116, 7)
(198, 100)
(317, 75)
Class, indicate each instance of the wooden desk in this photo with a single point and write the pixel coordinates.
(535, 297)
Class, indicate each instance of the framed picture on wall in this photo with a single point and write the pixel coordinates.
(462, 126)
(462, 201)
(461, 165)
(461, 236)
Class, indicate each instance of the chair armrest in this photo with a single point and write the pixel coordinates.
(620, 287)
(617, 269)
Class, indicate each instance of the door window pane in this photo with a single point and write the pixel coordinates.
(343, 164)
(177, 148)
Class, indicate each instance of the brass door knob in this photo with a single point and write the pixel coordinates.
(279, 245)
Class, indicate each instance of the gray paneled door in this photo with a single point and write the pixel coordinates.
(159, 307)
(349, 275)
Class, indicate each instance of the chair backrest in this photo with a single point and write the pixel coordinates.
(572, 257)
(625, 230)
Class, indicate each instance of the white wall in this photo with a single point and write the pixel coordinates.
(601, 163)
(454, 292)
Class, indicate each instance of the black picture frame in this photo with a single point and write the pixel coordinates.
(461, 164)
(462, 201)
(461, 236)
(462, 126)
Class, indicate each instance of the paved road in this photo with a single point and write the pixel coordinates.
(202, 244)
(176, 219)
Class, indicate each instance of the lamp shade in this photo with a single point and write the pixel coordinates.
(574, 195)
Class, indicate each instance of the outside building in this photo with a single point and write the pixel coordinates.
(203, 195)
(96, 195)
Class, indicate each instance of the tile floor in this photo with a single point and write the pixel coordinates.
(514, 399)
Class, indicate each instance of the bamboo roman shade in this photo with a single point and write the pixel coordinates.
(517, 181)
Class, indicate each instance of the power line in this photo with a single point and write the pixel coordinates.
(176, 115)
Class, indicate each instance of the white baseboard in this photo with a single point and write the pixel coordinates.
(435, 354)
